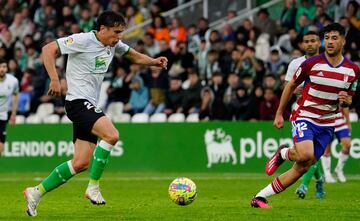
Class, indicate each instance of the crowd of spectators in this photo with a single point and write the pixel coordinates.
(234, 73)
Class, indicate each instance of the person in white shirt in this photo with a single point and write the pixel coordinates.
(9, 90)
(89, 56)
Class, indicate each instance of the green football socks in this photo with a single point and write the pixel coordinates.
(100, 158)
(57, 177)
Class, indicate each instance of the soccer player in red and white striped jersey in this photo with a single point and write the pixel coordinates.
(330, 80)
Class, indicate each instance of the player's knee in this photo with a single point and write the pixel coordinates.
(305, 157)
(111, 137)
(80, 165)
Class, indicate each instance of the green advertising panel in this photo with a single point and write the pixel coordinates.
(170, 147)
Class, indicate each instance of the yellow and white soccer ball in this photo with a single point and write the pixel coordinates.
(182, 191)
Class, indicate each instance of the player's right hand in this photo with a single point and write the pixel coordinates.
(279, 121)
(54, 88)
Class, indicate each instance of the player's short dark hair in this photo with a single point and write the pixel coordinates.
(2, 60)
(110, 19)
(334, 27)
(311, 33)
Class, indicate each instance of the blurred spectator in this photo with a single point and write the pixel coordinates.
(265, 23)
(303, 25)
(155, 10)
(288, 15)
(255, 101)
(159, 29)
(174, 96)
(86, 22)
(243, 32)
(119, 87)
(133, 18)
(212, 65)
(166, 52)
(288, 41)
(352, 35)
(151, 46)
(177, 33)
(270, 81)
(269, 105)
(157, 82)
(14, 69)
(182, 60)
(233, 81)
(260, 42)
(212, 106)
(214, 41)
(306, 8)
(202, 57)
(276, 64)
(203, 27)
(225, 57)
(8, 43)
(139, 96)
(329, 8)
(143, 8)
(228, 34)
(191, 100)
(26, 91)
(20, 27)
(193, 39)
(239, 105)
(352, 12)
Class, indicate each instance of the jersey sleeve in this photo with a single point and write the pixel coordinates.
(354, 84)
(122, 48)
(302, 73)
(72, 44)
(290, 71)
(16, 87)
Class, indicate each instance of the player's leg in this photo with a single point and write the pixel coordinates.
(305, 158)
(319, 186)
(343, 157)
(304, 186)
(310, 143)
(105, 130)
(2, 135)
(61, 174)
(326, 165)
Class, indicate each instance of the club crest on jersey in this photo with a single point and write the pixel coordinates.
(100, 63)
(69, 41)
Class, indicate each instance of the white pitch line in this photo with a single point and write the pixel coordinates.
(160, 178)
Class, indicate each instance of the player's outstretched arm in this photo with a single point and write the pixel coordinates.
(49, 55)
(139, 58)
(285, 97)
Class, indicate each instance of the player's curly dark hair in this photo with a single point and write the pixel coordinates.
(110, 19)
(334, 27)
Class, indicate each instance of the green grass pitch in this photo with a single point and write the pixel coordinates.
(144, 196)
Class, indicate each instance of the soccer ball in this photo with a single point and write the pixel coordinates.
(182, 191)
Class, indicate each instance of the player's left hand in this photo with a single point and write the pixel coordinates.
(344, 99)
(12, 119)
(161, 62)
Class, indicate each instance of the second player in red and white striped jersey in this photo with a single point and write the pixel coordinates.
(322, 84)
(340, 122)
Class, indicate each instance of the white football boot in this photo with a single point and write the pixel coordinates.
(94, 195)
(340, 175)
(33, 197)
(329, 178)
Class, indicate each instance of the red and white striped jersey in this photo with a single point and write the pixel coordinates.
(340, 122)
(322, 84)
